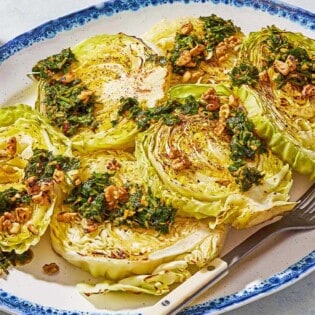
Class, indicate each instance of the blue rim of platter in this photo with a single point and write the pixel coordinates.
(50, 29)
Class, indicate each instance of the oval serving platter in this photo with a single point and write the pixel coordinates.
(290, 257)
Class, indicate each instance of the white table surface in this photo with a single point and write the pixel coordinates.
(18, 16)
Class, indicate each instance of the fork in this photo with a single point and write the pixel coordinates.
(302, 217)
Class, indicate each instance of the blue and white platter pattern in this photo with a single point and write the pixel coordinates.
(273, 268)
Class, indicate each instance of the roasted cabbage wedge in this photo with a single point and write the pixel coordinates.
(211, 164)
(26, 187)
(80, 89)
(130, 239)
(200, 49)
(282, 104)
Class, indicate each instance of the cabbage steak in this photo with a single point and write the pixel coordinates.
(26, 180)
(80, 89)
(282, 102)
(207, 169)
(123, 235)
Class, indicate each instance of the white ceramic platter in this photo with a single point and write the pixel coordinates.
(280, 263)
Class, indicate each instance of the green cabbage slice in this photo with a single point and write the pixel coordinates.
(80, 89)
(189, 164)
(128, 254)
(27, 201)
(282, 102)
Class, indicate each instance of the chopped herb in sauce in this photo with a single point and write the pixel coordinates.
(69, 106)
(12, 198)
(245, 73)
(8, 259)
(169, 113)
(246, 177)
(216, 29)
(60, 62)
(244, 146)
(88, 198)
(296, 66)
(43, 164)
(192, 47)
(184, 42)
(68, 103)
(94, 199)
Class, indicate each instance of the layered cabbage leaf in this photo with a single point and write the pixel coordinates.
(200, 49)
(33, 155)
(210, 163)
(112, 226)
(276, 70)
(80, 89)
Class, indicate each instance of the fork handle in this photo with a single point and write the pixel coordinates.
(181, 295)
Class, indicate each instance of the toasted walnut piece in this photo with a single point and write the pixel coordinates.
(286, 67)
(23, 214)
(10, 215)
(292, 63)
(186, 76)
(221, 49)
(46, 186)
(59, 176)
(32, 229)
(197, 50)
(224, 113)
(308, 90)
(2, 218)
(15, 228)
(89, 225)
(66, 216)
(191, 64)
(67, 78)
(113, 165)
(50, 269)
(6, 225)
(211, 99)
(114, 194)
(186, 29)
(32, 186)
(11, 146)
(184, 58)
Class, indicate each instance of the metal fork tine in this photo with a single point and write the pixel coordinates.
(307, 198)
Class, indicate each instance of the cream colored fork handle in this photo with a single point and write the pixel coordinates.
(190, 288)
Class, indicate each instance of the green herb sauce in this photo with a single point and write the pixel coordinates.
(144, 210)
(8, 259)
(216, 29)
(244, 146)
(43, 164)
(278, 47)
(169, 113)
(245, 73)
(66, 108)
(12, 198)
(53, 64)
